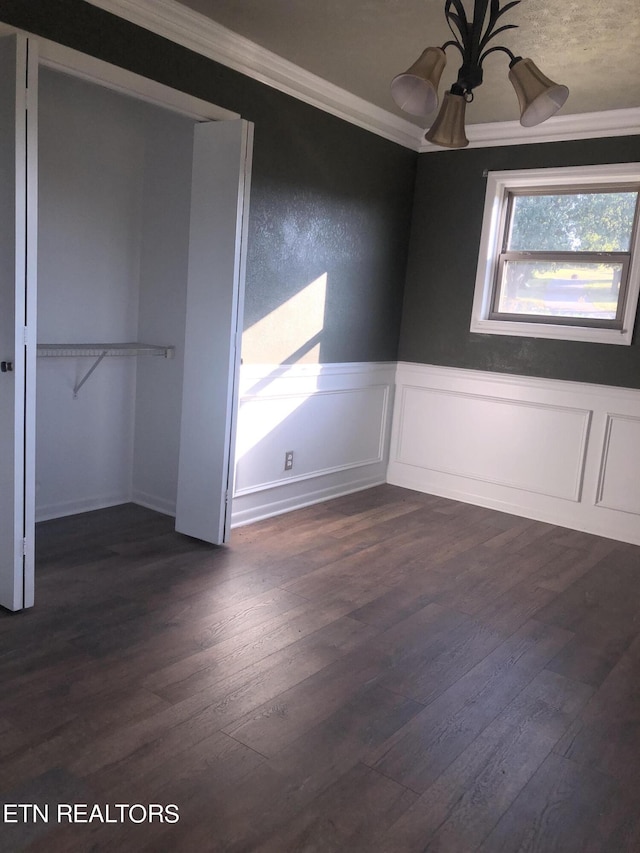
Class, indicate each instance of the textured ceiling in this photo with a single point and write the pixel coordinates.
(592, 46)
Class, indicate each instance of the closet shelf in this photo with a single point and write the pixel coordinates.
(99, 351)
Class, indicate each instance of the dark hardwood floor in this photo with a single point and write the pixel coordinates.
(388, 671)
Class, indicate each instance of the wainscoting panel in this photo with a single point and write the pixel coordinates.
(620, 474)
(335, 418)
(536, 448)
(561, 452)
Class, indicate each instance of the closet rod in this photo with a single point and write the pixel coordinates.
(100, 351)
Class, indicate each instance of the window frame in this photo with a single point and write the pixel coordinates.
(501, 186)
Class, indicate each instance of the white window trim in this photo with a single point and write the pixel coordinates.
(498, 184)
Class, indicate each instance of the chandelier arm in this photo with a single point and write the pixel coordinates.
(506, 50)
(454, 43)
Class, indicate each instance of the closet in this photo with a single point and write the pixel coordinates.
(114, 192)
(141, 213)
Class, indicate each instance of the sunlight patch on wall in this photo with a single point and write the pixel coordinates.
(290, 333)
(252, 430)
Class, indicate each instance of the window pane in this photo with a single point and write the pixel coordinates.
(552, 289)
(572, 222)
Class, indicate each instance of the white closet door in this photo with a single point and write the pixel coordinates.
(215, 290)
(18, 222)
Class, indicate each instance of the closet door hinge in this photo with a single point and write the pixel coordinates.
(24, 547)
(25, 339)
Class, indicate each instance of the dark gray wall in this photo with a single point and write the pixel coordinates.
(445, 237)
(327, 197)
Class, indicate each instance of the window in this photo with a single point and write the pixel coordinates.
(560, 254)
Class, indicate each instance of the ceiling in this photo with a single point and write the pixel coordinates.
(592, 46)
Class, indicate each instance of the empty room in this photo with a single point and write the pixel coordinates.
(320, 398)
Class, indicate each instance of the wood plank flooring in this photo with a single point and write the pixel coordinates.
(388, 671)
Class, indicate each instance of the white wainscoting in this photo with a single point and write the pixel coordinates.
(336, 419)
(567, 453)
(620, 472)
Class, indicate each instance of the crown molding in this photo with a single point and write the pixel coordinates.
(202, 35)
(561, 128)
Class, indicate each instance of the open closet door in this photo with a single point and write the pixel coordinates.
(18, 218)
(215, 295)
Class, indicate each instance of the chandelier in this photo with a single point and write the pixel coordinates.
(416, 91)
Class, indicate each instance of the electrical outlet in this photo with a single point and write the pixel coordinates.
(288, 460)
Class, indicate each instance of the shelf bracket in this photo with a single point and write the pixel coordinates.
(79, 384)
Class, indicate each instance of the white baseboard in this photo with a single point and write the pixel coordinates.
(560, 452)
(247, 511)
(60, 510)
(47, 513)
(153, 502)
(336, 418)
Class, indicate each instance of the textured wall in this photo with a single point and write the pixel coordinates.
(328, 201)
(446, 226)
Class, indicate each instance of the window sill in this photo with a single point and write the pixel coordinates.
(547, 330)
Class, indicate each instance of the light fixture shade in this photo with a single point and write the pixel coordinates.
(538, 96)
(416, 91)
(448, 128)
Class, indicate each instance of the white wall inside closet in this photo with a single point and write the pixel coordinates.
(114, 199)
